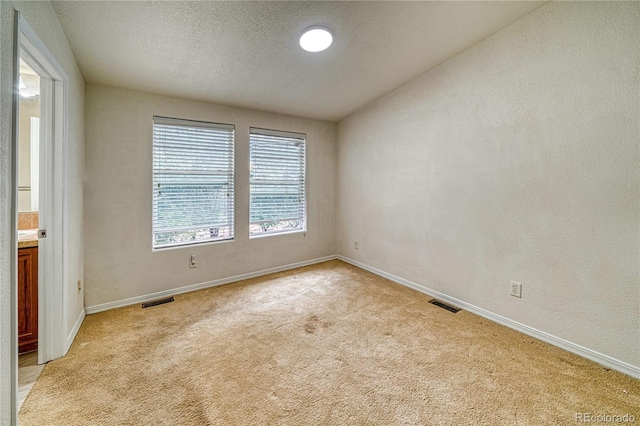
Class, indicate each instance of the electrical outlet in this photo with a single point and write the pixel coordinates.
(193, 261)
(356, 245)
(515, 289)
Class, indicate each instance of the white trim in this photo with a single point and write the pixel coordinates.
(53, 253)
(172, 292)
(278, 133)
(258, 133)
(216, 142)
(74, 331)
(181, 122)
(602, 359)
(13, 274)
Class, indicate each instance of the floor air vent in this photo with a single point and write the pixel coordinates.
(157, 302)
(444, 306)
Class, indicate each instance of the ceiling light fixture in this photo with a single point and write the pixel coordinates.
(23, 90)
(316, 38)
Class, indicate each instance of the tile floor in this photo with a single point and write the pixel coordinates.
(28, 372)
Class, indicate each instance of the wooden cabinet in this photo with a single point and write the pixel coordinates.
(27, 299)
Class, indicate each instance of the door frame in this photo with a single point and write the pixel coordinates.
(52, 250)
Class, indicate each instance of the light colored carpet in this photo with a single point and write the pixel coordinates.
(328, 344)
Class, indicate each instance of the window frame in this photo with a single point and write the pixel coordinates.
(303, 220)
(231, 181)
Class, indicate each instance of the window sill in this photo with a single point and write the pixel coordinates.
(188, 245)
(274, 234)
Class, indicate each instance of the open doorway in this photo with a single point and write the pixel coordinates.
(39, 169)
(28, 225)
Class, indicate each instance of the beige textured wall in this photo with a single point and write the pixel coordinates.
(119, 260)
(7, 380)
(42, 19)
(515, 160)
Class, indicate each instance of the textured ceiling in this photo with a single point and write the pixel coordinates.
(246, 53)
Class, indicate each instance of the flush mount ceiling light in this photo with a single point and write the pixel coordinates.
(29, 86)
(316, 38)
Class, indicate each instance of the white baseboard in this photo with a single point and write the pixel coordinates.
(602, 359)
(74, 331)
(186, 289)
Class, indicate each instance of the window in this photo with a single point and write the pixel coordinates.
(277, 182)
(192, 182)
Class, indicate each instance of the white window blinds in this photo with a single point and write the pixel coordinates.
(192, 182)
(277, 182)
